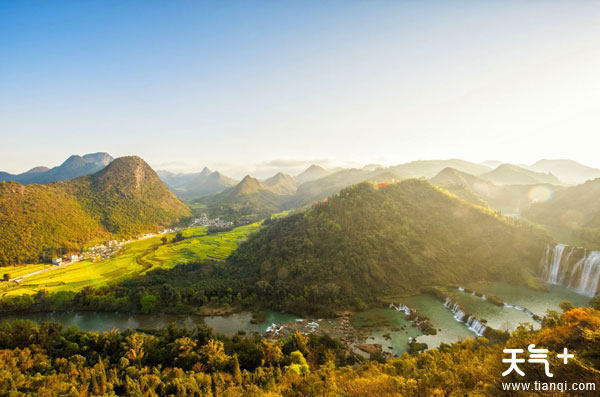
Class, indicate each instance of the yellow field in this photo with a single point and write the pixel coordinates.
(136, 258)
(19, 270)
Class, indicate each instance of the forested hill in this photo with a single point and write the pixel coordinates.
(124, 199)
(370, 241)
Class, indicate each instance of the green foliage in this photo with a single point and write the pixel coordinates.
(148, 303)
(369, 242)
(248, 201)
(42, 221)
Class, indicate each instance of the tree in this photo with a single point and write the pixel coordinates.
(6, 277)
(213, 355)
(163, 239)
(148, 303)
(236, 373)
(178, 237)
(135, 349)
(297, 364)
(565, 306)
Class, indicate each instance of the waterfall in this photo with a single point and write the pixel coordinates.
(524, 310)
(583, 276)
(590, 275)
(553, 266)
(476, 326)
(459, 315)
(401, 308)
(471, 322)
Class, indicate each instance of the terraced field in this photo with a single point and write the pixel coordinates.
(20, 270)
(137, 257)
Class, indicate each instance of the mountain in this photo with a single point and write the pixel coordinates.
(466, 186)
(574, 207)
(37, 170)
(73, 167)
(311, 173)
(491, 163)
(320, 189)
(249, 200)
(508, 199)
(430, 168)
(124, 199)
(510, 174)
(281, 184)
(368, 242)
(192, 186)
(568, 171)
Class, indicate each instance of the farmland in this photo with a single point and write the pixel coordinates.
(136, 258)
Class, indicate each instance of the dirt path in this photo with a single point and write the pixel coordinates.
(21, 278)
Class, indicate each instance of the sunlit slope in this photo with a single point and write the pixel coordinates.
(137, 258)
(126, 198)
(576, 208)
(369, 241)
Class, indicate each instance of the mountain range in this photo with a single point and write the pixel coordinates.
(124, 199)
(196, 185)
(73, 167)
(510, 174)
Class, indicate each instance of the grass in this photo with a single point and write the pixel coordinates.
(136, 258)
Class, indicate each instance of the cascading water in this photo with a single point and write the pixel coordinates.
(590, 275)
(583, 276)
(471, 322)
(553, 266)
(476, 326)
(459, 315)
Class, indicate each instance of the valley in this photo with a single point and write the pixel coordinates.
(137, 258)
(382, 262)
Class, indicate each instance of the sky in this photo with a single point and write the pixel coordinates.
(250, 86)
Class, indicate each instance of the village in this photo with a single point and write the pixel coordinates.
(108, 249)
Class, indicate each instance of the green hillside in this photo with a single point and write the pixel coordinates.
(368, 242)
(124, 199)
(281, 183)
(249, 200)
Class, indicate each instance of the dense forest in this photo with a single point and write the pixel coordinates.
(370, 241)
(124, 199)
(50, 359)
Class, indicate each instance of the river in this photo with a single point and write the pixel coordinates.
(387, 327)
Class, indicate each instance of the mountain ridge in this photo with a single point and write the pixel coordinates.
(124, 199)
(74, 166)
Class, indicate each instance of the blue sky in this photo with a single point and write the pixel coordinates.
(243, 86)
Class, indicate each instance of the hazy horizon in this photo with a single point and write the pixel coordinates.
(248, 84)
(292, 167)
